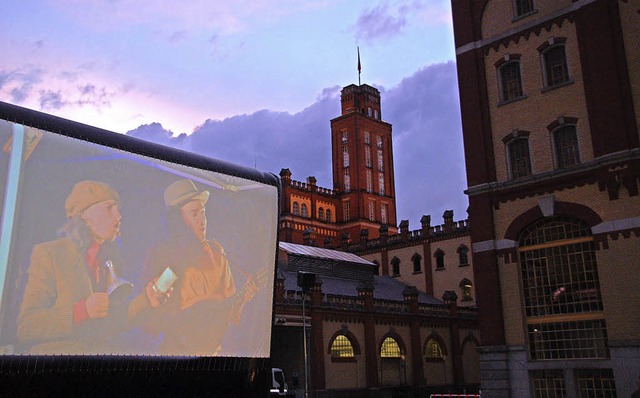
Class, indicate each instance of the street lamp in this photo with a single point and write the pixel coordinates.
(306, 280)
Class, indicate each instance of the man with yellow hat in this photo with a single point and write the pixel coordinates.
(66, 308)
(195, 318)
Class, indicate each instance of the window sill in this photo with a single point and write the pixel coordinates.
(507, 102)
(440, 268)
(523, 16)
(416, 272)
(555, 86)
(338, 360)
(464, 265)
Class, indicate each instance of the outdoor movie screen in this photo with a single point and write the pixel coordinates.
(107, 252)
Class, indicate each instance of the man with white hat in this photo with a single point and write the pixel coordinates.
(195, 318)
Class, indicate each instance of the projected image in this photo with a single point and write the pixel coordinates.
(108, 252)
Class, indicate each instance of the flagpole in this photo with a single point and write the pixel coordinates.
(359, 67)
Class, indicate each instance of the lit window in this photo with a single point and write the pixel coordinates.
(341, 347)
(439, 255)
(463, 255)
(296, 209)
(346, 209)
(522, 7)
(465, 289)
(565, 141)
(381, 184)
(548, 383)
(321, 213)
(416, 259)
(596, 383)
(510, 81)
(432, 350)
(555, 66)
(390, 349)
(519, 161)
(303, 210)
(395, 266)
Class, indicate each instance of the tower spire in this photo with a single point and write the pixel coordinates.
(359, 66)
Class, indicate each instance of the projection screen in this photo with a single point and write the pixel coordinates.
(106, 251)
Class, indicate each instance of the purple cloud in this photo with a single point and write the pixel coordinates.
(428, 153)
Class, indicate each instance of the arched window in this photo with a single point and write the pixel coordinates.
(342, 348)
(328, 215)
(555, 69)
(303, 210)
(432, 350)
(416, 259)
(296, 209)
(519, 160)
(565, 142)
(559, 277)
(390, 349)
(395, 266)
(463, 255)
(321, 213)
(510, 81)
(465, 289)
(439, 256)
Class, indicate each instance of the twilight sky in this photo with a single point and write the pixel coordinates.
(252, 82)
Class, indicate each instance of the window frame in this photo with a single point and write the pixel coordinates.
(503, 80)
(510, 148)
(559, 164)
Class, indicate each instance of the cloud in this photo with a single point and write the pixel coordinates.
(19, 83)
(428, 154)
(385, 20)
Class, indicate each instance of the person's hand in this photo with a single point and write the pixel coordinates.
(97, 305)
(250, 289)
(156, 298)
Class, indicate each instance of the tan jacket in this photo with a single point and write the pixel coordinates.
(57, 279)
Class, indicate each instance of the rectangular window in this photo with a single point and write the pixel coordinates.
(595, 383)
(548, 383)
(523, 7)
(510, 81)
(519, 158)
(380, 160)
(381, 184)
(346, 209)
(367, 156)
(555, 62)
(367, 138)
(383, 213)
(347, 180)
(568, 340)
(566, 146)
(372, 211)
(379, 141)
(345, 156)
(345, 135)
(369, 181)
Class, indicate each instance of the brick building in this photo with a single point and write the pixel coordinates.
(550, 101)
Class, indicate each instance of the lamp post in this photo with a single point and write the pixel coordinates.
(306, 280)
